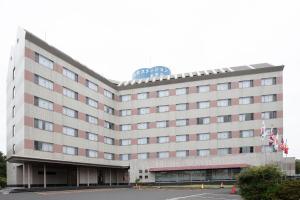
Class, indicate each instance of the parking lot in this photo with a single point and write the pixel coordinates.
(125, 194)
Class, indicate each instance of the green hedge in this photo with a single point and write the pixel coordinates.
(2, 182)
(288, 190)
(259, 183)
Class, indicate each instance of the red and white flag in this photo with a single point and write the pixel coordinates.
(263, 132)
(286, 148)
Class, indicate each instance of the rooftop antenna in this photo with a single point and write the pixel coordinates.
(45, 35)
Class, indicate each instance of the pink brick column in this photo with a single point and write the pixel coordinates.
(134, 141)
(235, 134)
(213, 120)
(57, 128)
(134, 111)
(279, 80)
(152, 124)
(172, 92)
(134, 97)
(192, 152)
(234, 85)
(257, 132)
(57, 148)
(81, 98)
(81, 134)
(172, 123)
(235, 150)
(57, 88)
(152, 109)
(213, 136)
(257, 116)
(28, 144)
(279, 114)
(257, 99)
(235, 101)
(172, 107)
(101, 138)
(101, 107)
(279, 97)
(193, 137)
(258, 149)
(81, 80)
(213, 152)
(212, 87)
(101, 90)
(193, 105)
(133, 156)
(173, 138)
(28, 76)
(81, 116)
(152, 140)
(153, 94)
(81, 152)
(117, 157)
(29, 53)
(100, 155)
(256, 82)
(213, 103)
(193, 89)
(193, 121)
(58, 68)
(28, 121)
(172, 154)
(235, 118)
(152, 155)
(57, 108)
(28, 98)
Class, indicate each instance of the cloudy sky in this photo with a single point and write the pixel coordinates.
(115, 37)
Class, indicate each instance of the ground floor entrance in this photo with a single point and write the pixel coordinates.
(36, 174)
(204, 175)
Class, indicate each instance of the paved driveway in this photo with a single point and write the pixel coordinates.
(125, 194)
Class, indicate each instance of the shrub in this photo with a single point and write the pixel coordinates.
(2, 182)
(259, 183)
(288, 190)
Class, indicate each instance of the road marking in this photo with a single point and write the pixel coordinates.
(204, 195)
(189, 196)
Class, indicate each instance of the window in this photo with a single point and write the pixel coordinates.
(246, 133)
(108, 140)
(142, 126)
(223, 86)
(91, 119)
(268, 98)
(224, 151)
(203, 104)
(70, 131)
(43, 125)
(70, 150)
(162, 109)
(92, 136)
(91, 153)
(124, 157)
(108, 156)
(43, 103)
(13, 130)
(224, 118)
(91, 102)
(163, 154)
(43, 146)
(43, 61)
(182, 138)
(109, 110)
(224, 102)
(246, 149)
(109, 125)
(269, 115)
(203, 88)
(245, 100)
(181, 91)
(224, 135)
(203, 136)
(143, 156)
(142, 141)
(144, 95)
(14, 73)
(182, 122)
(163, 139)
(246, 84)
(203, 120)
(109, 94)
(246, 117)
(269, 130)
(70, 93)
(144, 111)
(70, 112)
(203, 152)
(125, 98)
(163, 93)
(125, 127)
(268, 81)
(182, 153)
(43, 82)
(69, 74)
(125, 142)
(126, 112)
(268, 149)
(13, 113)
(91, 85)
(162, 124)
(181, 107)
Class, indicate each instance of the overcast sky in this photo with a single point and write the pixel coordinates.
(115, 37)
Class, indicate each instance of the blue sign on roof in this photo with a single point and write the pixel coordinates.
(157, 71)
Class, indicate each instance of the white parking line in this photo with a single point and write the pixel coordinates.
(204, 195)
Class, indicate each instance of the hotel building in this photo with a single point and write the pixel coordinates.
(68, 125)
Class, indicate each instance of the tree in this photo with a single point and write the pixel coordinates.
(297, 166)
(2, 165)
(259, 183)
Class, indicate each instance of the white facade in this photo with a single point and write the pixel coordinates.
(114, 133)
